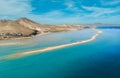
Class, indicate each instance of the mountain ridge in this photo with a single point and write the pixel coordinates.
(24, 27)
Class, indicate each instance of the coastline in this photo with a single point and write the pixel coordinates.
(14, 43)
(4, 43)
(98, 32)
(29, 37)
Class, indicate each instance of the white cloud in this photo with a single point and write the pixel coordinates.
(55, 13)
(71, 5)
(98, 11)
(15, 7)
(113, 2)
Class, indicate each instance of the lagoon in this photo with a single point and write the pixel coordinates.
(97, 59)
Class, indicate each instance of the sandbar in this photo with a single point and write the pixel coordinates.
(98, 32)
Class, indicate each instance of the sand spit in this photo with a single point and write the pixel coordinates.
(9, 44)
(98, 32)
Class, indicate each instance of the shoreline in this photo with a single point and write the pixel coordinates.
(3, 42)
(15, 43)
(98, 32)
(22, 38)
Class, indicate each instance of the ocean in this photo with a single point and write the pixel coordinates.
(97, 59)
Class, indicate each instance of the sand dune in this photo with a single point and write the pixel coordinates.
(98, 32)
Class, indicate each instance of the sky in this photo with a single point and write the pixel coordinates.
(62, 11)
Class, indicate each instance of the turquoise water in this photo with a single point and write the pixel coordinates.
(44, 41)
(97, 59)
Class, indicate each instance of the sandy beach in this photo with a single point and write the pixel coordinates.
(98, 32)
(18, 41)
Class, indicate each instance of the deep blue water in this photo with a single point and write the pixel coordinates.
(97, 59)
(108, 27)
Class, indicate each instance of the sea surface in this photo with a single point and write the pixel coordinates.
(97, 59)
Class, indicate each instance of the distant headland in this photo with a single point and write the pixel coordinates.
(25, 28)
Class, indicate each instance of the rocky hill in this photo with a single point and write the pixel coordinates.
(10, 29)
(24, 27)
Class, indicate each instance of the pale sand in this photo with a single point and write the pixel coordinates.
(9, 43)
(98, 32)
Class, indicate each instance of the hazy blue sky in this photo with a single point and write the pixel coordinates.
(62, 11)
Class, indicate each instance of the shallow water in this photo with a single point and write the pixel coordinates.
(44, 41)
(97, 59)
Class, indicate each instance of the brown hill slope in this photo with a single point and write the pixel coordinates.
(24, 27)
(29, 24)
(10, 29)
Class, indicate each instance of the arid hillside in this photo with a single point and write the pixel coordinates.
(19, 28)
(24, 27)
